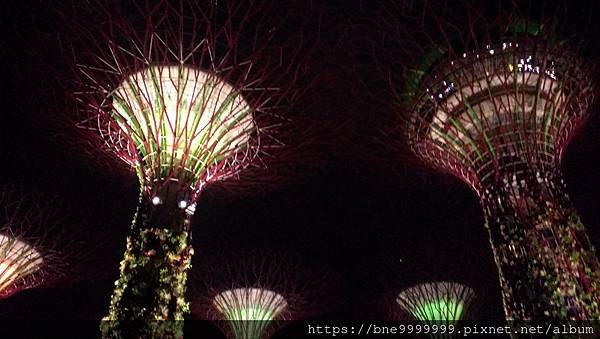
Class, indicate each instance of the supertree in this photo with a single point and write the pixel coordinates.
(249, 310)
(16, 255)
(19, 263)
(437, 303)
(440, 291)
(250, 294)
(417, 286)
(493, 95)
(186, 94)
(33, 252)
(48, 249)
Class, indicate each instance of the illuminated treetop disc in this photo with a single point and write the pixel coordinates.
(250, 304)
(503, 107)
(441, 301)
(17, 260)
(181, 120)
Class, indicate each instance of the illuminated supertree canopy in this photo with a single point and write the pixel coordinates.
(435, 292)
(496, 105)
(182, 121)
(33, 252)
(195, 100)
(250, 304)
(249, 310)
(183, 93)
(250, 294)
(18, 260)
(437, 302)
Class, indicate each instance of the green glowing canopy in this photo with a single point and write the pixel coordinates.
(448, 310)
(249, 310)
(443, 301)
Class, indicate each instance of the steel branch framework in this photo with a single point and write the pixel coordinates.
(176, 91)
(437, 303)
(27, 251)
(500, 118)
(249, 310)
(250, 294)
(184, 125)
(19, 262)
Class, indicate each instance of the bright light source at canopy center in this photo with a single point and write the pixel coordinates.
(250, 304)
(442, 301)
(17, 260)
(181, 119)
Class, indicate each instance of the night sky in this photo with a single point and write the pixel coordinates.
(357, 214)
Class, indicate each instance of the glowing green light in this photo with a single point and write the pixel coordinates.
(444, 301)
(439, 310)
(249, 310)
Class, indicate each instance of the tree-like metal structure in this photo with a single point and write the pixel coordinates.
(437, 303)
(433, 291)
(251, 294)
(496, 105)
(182, 93)
(28, 252)
(249, 310)
(19, 262)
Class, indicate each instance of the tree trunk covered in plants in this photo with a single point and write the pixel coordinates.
(548, 268)
(149, 296)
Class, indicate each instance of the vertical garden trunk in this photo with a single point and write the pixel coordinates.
(548, 268)
(149, 296)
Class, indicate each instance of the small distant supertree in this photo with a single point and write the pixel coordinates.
(184, 93)
(28, 249)
(437, 303)
(19, 262)
(249, 311)
(437, 291)
(252, 294)
(493, 95)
